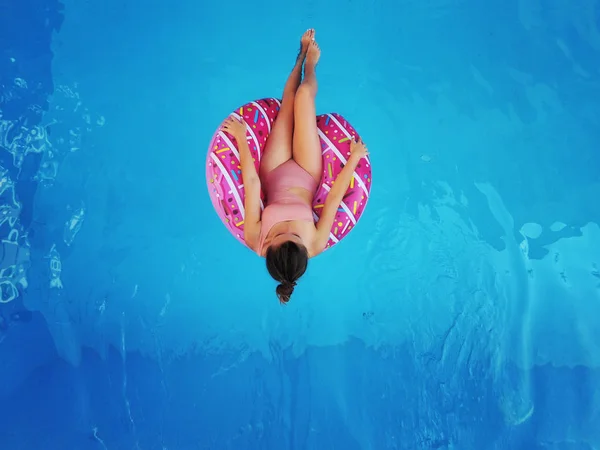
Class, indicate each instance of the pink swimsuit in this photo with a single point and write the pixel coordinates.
(282, 204)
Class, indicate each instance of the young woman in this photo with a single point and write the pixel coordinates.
(290, 171)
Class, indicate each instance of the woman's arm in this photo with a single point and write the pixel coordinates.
(336, 195)
(252, 195)
(251, 180)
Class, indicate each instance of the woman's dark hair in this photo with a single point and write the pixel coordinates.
(286, 263)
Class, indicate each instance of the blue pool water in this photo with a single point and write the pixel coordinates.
(463, 312)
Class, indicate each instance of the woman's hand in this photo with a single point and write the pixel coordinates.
(235, 127)
(358, 149)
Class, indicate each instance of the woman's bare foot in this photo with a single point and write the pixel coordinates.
(305, 40)
(313, 54)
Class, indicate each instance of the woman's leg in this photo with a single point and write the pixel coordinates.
(306, 145)
(278, 148)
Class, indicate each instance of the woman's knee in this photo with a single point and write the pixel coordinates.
(305, 93)
(304, 101)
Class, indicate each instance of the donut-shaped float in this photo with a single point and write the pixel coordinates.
(224, 175)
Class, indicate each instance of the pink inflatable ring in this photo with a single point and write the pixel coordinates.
(224, 176)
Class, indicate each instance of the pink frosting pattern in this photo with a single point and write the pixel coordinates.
(224, 175)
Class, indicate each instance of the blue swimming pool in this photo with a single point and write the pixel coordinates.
(463, 312)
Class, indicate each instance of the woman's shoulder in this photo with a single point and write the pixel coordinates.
(315, 246)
